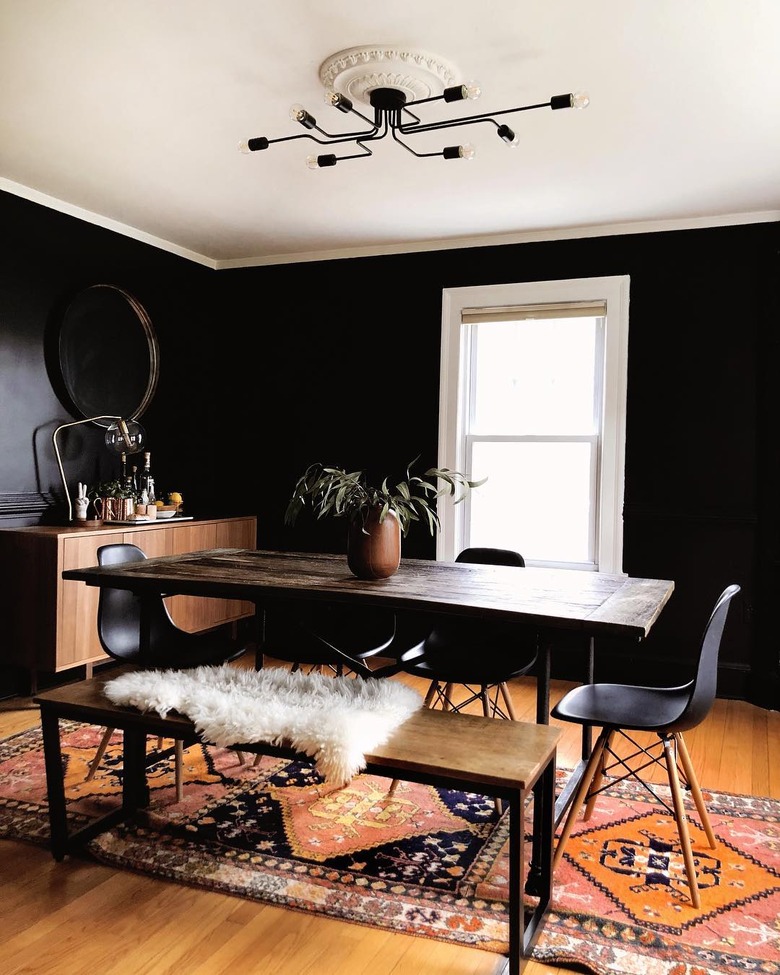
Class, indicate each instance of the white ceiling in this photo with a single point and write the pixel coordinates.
(128, 113)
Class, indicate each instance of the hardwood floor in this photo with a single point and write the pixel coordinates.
(79, 917)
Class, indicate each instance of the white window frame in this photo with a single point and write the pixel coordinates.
(453, 399)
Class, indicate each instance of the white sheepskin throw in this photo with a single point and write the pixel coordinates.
(334, 720)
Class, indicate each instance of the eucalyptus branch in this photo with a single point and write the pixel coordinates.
(340, 493)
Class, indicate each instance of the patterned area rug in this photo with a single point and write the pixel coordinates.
(428, 861)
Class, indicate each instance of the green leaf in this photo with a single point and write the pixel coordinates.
(336, 492)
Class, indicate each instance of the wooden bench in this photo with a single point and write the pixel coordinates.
(509, 760)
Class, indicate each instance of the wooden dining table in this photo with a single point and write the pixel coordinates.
(548, 601)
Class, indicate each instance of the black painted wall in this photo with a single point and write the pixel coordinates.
(264, 370)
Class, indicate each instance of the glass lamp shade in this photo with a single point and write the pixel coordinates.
(125, 437)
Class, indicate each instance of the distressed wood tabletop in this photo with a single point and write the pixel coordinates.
(592, 602)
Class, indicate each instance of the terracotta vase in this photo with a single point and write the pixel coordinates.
(376, 552)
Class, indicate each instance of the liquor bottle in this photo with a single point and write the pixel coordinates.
(123, 471)
(146, 480)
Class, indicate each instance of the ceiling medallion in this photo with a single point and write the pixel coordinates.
(357, 71)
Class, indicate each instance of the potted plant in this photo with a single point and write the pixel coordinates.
(380, 516)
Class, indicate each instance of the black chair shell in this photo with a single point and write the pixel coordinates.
(170, 647)
(119, 622)
(313, 637)
(664, 711)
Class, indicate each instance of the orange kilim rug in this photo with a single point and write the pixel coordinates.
(428, 862)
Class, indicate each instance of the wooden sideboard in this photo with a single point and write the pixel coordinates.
(50, 624)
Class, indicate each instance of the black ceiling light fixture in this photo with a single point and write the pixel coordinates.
(393, 81)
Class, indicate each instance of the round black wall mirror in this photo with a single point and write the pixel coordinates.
(108, 354)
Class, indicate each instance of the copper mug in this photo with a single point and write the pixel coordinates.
(115, 509)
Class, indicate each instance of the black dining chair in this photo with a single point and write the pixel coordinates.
(664, 712)
(170, 647)
(314, 638)
(472, 655)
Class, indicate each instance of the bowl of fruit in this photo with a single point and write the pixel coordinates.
(171, 507)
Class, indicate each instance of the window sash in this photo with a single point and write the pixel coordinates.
(609, 295)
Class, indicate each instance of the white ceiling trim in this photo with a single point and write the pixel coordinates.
(567, 233)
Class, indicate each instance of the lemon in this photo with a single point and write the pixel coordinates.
(159, 504)
(174, 497)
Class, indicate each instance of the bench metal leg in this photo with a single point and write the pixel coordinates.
(55, 784)
(135, 792)
(516, 910)
(524, 928)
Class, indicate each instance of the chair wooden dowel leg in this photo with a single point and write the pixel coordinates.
(448, 698)
(434, 685)
(582, 790)
(693, 782)
(598, 778)
(101, 750)
(510, 708)
(393, 787)
(682, 821)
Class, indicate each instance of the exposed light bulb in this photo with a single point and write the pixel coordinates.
(336, 100)
(459, 152)
(252, 145)
(458, 92)
(580, 99)
(321, 162)
(125, 436)
(299, 114)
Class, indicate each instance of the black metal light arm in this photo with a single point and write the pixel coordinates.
(450, 152)
(390, 108)
(330, 159)
(261, 142)
(308, 121)
(411, 127)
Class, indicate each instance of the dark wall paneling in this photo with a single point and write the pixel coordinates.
(715, 550)
(265, 370)
(765, 672)
(18, 510)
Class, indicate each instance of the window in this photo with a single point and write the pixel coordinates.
(533, 392)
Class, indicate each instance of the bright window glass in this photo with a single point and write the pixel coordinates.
(538, 500)
(534, 376)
